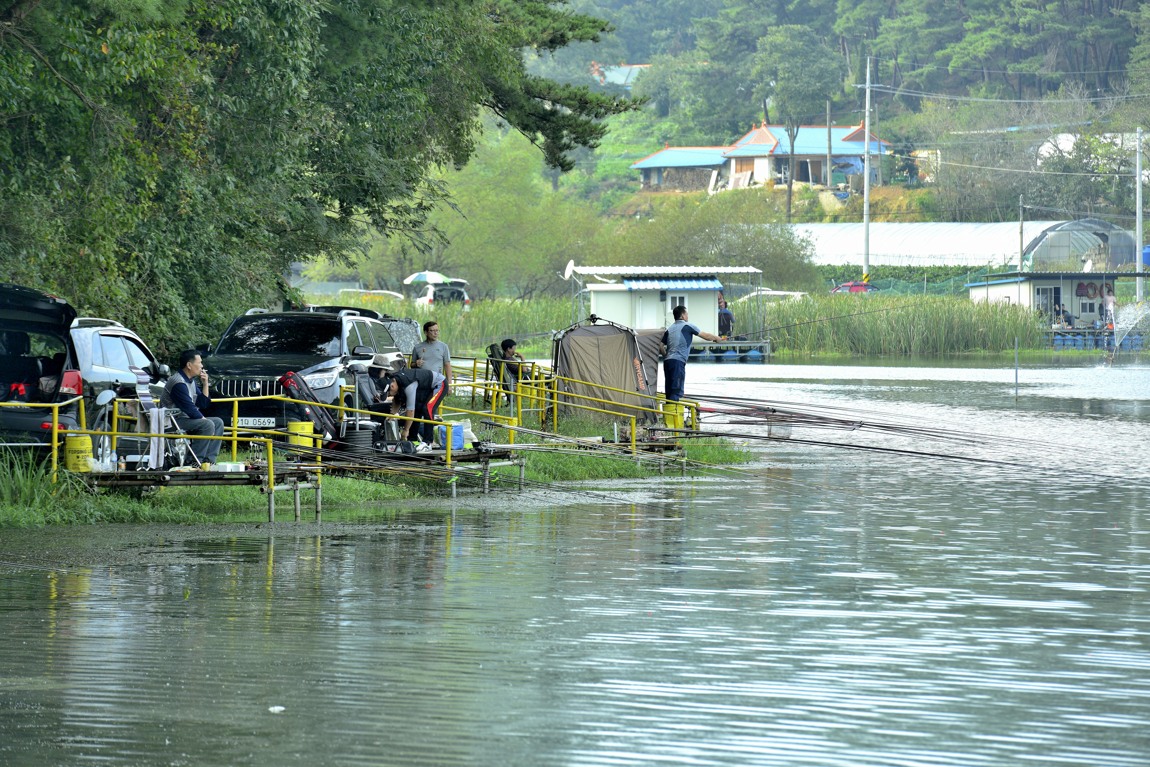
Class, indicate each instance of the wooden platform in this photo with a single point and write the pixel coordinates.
(730, 351)
(294, 476)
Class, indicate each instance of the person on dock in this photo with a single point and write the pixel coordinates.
(726, 319)
(677, 339)
(186, 392)
(416, 393)
(512, 367)
(433, 354)
(1109, 304)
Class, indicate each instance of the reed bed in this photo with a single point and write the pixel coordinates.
(860, 325)
(898, 326)
(530, 322)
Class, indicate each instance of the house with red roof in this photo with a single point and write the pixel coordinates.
(763, 156)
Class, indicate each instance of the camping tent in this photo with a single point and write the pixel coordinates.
(603, 356)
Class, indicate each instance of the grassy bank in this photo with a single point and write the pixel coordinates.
(29, 498)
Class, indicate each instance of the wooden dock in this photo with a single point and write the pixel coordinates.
(293, 476)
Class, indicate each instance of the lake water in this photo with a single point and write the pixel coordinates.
(962, 580)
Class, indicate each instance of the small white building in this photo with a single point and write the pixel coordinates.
(644, 296)
(1080, 292)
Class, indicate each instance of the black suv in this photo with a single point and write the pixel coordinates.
(49, 355)
(260, 346)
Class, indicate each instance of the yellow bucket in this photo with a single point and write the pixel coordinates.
(77, 452)
(301, 433)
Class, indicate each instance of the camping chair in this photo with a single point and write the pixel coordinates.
(502, 372)
(153, 419)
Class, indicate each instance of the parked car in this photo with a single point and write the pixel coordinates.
(854, 287)
(767, 295)
(48, 354)
(260, 346)
(405, 331)
(107, 351)
(37, 364)
(445, 293)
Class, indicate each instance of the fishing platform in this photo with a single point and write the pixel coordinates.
(730, 351)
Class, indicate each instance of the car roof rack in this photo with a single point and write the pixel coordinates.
(256, 310)
(95, 322)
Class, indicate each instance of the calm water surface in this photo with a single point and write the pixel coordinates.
(830, 605)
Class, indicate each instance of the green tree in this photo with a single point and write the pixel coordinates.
(736, 228)
(165, 162)
(797, 74)
(507, 232)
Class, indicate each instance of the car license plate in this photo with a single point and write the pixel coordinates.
(257, 423)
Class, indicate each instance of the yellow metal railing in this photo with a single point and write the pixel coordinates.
(54, 443)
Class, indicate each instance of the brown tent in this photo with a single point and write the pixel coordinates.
(604, 354)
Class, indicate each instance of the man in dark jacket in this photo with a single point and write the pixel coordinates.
(416, 393)
(186, 391)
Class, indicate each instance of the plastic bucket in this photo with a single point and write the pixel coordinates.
(301, 433)
(77, 452)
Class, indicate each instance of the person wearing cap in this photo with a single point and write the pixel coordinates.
(415, 393)
(433, 354)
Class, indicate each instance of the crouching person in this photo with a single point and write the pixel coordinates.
(187, 392)
(416, 393)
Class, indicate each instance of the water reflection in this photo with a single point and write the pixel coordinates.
(831, 608)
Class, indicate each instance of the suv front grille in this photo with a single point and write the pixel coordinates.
(247, 387)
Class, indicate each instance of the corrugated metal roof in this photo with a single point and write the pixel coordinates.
(683, 157)
(672, 283)
(810, 140)
(649, 271)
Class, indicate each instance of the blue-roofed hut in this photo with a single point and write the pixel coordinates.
(760, 156)
(644, 296)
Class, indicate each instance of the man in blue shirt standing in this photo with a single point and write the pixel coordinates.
(678, 340)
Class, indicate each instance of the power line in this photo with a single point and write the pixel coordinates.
(1039, 171)
(984, 100)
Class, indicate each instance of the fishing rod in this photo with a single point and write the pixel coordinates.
(383, 466)
(606, 449)
(841, 417)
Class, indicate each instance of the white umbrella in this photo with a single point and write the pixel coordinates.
(432, 278)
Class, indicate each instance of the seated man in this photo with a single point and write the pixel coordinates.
(512, 366)
(180, 393)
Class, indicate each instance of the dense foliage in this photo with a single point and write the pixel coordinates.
(162, 162)
(166, 161)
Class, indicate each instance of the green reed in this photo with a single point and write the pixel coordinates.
(530, 322)
(896, 326)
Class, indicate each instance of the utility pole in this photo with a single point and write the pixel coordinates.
(1138, 214)
(866, 176)
(1021, 244)
(828, 144)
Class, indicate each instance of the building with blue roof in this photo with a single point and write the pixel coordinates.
(761, 156)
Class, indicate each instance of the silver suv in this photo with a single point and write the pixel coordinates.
(260, 346)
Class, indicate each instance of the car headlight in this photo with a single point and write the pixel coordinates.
(322, 379)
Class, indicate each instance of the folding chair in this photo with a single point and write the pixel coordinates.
(163, 452)
(502, 372)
